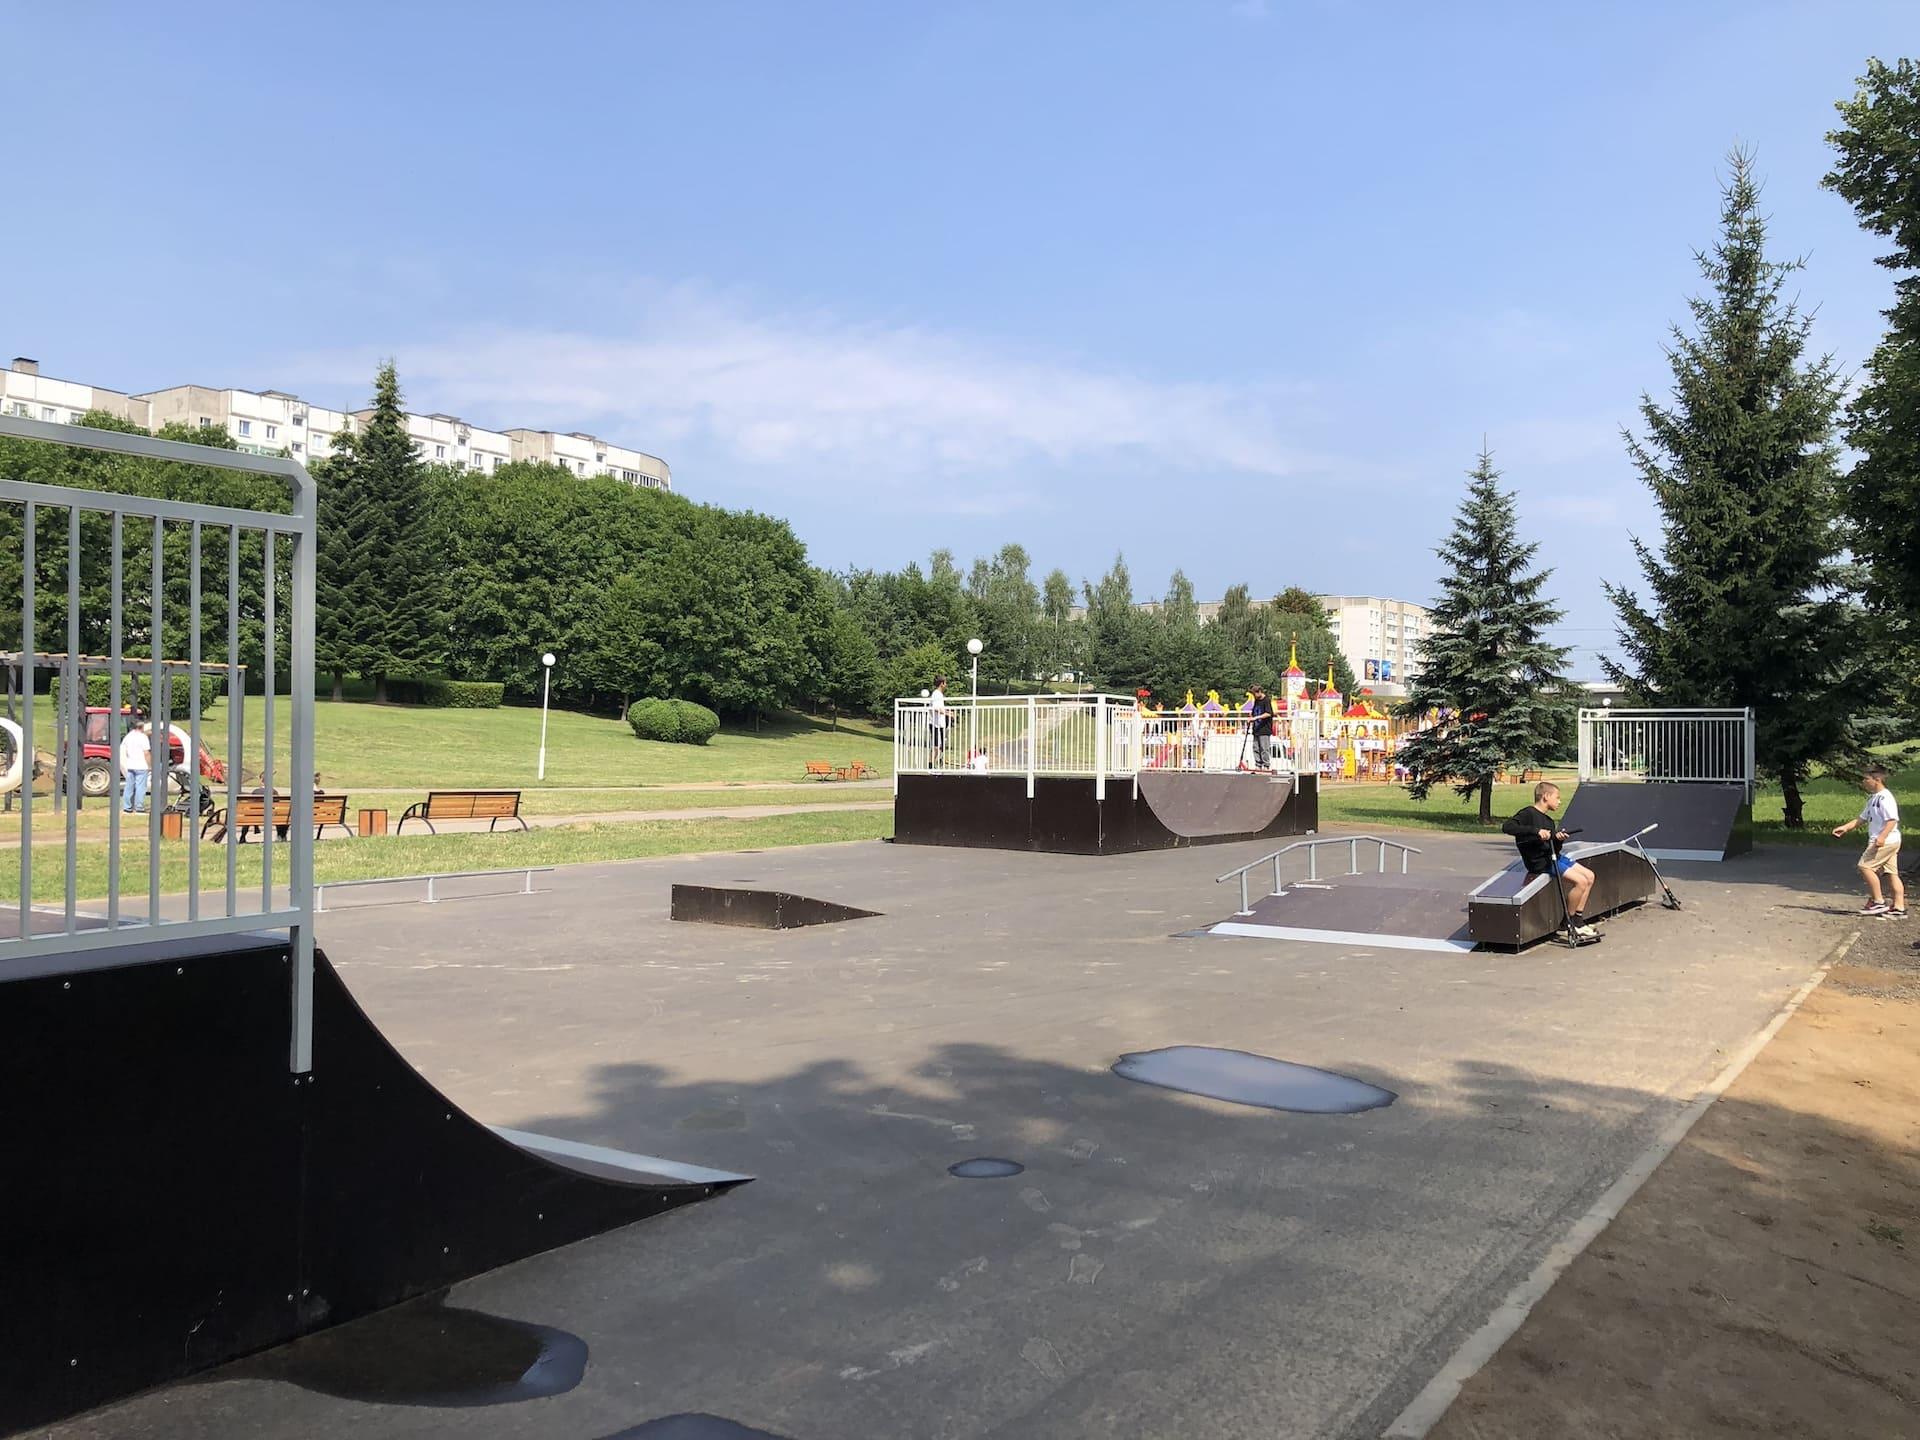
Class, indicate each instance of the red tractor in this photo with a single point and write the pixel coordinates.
(102, 737)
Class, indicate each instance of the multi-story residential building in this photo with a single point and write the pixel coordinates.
(266, 422)
(1380, 638)
(585, 454)
(29, 395)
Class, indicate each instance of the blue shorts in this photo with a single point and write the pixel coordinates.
(1561, 864)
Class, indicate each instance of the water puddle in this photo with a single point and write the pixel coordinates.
(693, 1427)
(429, 1353)
(985, 1167)
(1245, 1079)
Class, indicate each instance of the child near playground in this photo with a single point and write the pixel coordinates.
(1881, 816)
(1538, 839)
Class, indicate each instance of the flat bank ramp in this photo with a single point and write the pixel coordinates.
(1697, 821)
(1390, 912)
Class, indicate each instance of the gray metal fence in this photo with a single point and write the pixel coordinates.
(255, 568)
(1713, 746)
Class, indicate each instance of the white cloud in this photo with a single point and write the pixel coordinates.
(884, 402)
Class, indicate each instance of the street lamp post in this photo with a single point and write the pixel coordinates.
(546, 683)
(974, 647)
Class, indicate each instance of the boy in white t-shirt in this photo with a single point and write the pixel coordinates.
(1881, 816)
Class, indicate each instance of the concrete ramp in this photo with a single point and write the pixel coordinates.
(1698, 821)
(1382, 912)
(1197, 806)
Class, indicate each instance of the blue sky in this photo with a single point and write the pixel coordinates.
(1236, 287)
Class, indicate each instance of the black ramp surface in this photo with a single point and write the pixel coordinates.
(1354, 909)
(176, 1198)
(757, 909)
(1200, 805)
(1697, 821)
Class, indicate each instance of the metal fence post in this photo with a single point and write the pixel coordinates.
(1033, 732)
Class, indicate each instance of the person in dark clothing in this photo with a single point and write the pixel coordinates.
(1538, 837)
(1262, 728)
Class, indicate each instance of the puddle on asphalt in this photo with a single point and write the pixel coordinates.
(1245, 1079)
(427, 1353)
(693, 1427)
(985, 1167)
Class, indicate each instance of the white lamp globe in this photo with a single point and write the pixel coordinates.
(974, 647)
(547, 659)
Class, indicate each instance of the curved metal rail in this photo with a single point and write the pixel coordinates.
(1312, 847)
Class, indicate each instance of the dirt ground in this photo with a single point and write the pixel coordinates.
(1766, 1279)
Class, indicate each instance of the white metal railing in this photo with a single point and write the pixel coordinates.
(1312, 847)
(525, 872)
(1096, 735)
(1667, 745)
(154, 570)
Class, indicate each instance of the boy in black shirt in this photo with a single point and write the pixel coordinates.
(1538, 840)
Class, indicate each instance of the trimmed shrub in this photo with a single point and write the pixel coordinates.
(462, 694)
(136, 690)
(698, 724)
(654, 720)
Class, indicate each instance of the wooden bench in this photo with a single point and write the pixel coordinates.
(820, 770)
(250, 813)
(854, 770)
(492, 806)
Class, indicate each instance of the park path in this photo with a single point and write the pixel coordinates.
(57, 836)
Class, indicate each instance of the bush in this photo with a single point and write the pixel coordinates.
(654, 720)
(462, 694)
(136, 690)
(698, 724)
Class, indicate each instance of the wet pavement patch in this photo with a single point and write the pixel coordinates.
(1244, 1079)
(427, 1353)
(985, 1167)
(692, 1427)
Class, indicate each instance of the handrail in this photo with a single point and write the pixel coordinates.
(526, 871)
(1312, 847)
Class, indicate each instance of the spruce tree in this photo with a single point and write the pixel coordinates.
(1494, 682)
(1746, 604)
(385, 568)
(1878, 173)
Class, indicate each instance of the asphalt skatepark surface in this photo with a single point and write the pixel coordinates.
(1164, 1265)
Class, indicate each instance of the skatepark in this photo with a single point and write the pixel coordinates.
(1030, 1124)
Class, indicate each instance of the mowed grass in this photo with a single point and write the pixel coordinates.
(419, 855)
(360, 745)
(1827, 801)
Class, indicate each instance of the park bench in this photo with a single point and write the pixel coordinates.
(854, 770)
(490, 805)
(249, 812)
(819, 770)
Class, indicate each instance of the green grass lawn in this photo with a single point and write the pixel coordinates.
(418, 855)
(359, 745)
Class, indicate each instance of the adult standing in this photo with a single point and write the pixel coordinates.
(136, 764)
(1262, 728)
(937, 716)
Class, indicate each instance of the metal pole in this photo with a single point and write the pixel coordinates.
(1353, 856)
(1033, 726)
(1245, 907)
(546, 681)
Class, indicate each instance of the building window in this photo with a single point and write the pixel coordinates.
(628, 476)
(246, 427)
(206, 422)
(439, 452)
(47, 412)
(299, 419)
(19, 408)
(295, 447)
(73, 417)
(272, 431)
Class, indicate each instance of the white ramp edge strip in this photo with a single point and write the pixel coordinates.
(1713, 855)
(617, 1159)
(1342, 937)
(1433, 1402)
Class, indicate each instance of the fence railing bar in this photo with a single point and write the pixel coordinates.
(115, 685)
(29, 673)
(266, 736)
(73, 733)
(236, 713)
(160, 745)
(192, 820)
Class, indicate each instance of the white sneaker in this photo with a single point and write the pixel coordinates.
(1876, 907)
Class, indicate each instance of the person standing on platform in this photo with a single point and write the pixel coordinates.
(136, 764)
(1881, 816)
(937, 722)
(1262, 728)
(1538, 839)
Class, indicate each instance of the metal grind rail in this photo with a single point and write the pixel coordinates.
(526, 872)
(1312, 847)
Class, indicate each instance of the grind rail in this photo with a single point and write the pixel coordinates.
(1312, 847)
(526, 873)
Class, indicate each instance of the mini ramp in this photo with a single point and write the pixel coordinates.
(176, 1198)
(1196, 806)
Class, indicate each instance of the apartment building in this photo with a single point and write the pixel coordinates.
(1379, 637)
(266, 422)
(28, 395)
(585, 454)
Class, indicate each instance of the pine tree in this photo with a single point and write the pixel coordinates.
(383, 599)
(1747, 602)
(1485, 669)
(1878, 173)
